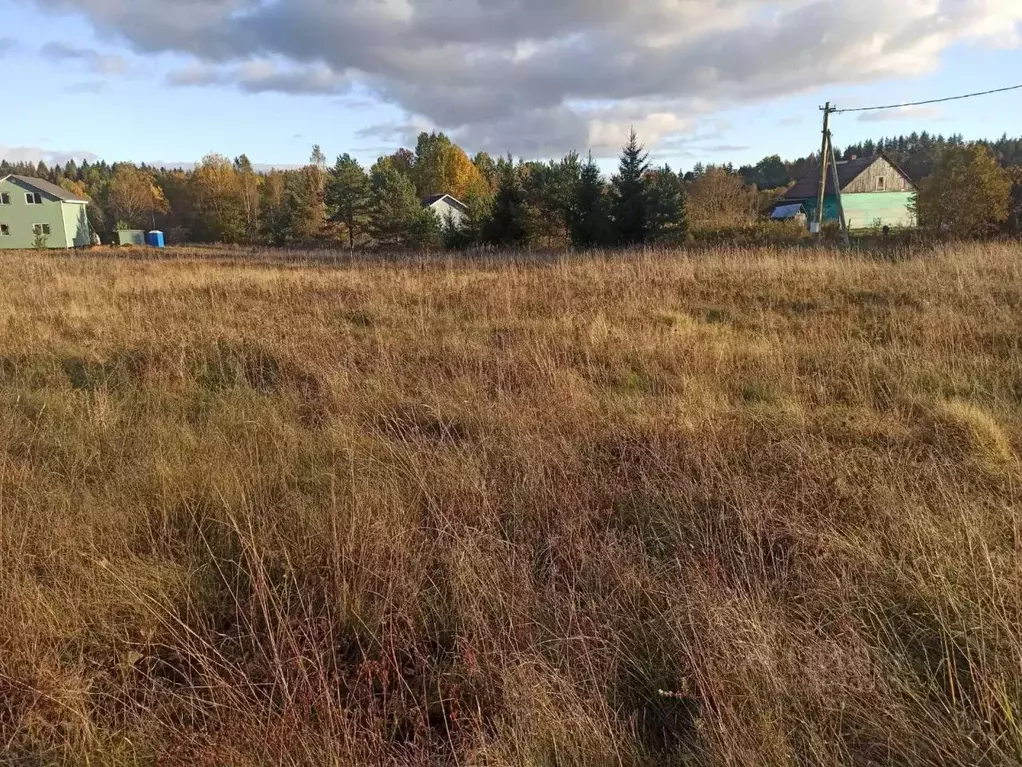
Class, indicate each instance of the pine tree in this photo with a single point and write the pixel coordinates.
(347, 196)
(630, 193)
(507, 225)
(588, 219)
(426, 230)
(394, 204)
(668, 220)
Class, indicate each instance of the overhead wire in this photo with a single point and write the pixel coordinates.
(929, 101)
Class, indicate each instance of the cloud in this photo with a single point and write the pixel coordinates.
(100, 63)
(725, 148)
(264, 77)
(901, 113)
(34, 154)
(7, 44)
(531, 75)
(395, 133)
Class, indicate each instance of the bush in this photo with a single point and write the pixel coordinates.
(752, 235)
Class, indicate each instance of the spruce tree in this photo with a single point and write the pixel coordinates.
(588, 220)
(630, 208)
(667, 221)
(507, 225)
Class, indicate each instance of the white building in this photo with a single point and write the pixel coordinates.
(446, 206)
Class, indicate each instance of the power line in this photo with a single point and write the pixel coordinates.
(931, 101)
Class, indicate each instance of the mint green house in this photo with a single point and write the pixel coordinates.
(874, 193)
(35, 213)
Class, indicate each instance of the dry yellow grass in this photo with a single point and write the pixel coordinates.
(743, 508)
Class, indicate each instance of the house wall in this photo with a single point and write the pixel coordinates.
(442, 208)
(879, 209)
(867, 211)
(866, 182)
(76, 225)
(20, 217)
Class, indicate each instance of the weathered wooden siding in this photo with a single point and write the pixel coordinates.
(867, 180)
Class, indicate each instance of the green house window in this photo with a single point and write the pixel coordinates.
(38, 229)
(33, 198)
(5, 199)
(5, 230)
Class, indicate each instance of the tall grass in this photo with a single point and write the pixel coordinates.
(752, 507)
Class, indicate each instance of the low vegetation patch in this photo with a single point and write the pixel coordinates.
(733, 507)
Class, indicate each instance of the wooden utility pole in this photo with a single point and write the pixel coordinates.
(837, 191)
(823, 170)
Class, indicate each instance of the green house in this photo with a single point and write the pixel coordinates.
(874, 193)
(37, 214)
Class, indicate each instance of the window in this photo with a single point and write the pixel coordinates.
(5, 231)
(5, 199)
(39, 229)
(881, 184)
(33, 198)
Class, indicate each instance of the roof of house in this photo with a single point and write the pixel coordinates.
(45, 186)
(433, 199)
(808, 186)
(788, 211)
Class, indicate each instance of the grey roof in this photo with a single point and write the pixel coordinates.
(808, 186)
(45, 186)
(788, 211)
(433, 199)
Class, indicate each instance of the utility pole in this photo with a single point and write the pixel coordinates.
(823, 169)
(837, 191)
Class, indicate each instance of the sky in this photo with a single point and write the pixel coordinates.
(711, 81)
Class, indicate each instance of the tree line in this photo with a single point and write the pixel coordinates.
(510, 203)
(918, 154)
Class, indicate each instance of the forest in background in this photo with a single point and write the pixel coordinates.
(511, 202)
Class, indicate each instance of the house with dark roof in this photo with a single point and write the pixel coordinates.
(874, 193)
(445, 206)
(37, 214)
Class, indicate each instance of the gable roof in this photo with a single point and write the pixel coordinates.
(433, 199)
(45, 186)
(808, 186)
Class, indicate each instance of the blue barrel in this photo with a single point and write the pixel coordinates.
(154, 239)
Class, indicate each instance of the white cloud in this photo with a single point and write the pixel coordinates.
(901, 113)
(100, 63)
(259, 76)
(526, 74)
(35, 154)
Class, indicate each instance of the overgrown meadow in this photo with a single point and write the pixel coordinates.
(741, 507)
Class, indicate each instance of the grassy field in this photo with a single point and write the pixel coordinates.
(741, 508)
